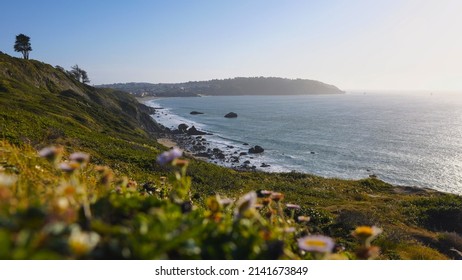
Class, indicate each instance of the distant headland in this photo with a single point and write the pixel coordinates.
(235, 86)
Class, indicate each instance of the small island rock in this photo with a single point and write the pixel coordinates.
(231, 115)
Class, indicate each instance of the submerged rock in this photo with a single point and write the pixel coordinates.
(196, 113)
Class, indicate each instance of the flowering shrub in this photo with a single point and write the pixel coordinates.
(82, 211)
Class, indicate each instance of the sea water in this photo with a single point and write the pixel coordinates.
(404, 139)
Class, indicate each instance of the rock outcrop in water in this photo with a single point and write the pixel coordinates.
(231, 115)
(256, 150)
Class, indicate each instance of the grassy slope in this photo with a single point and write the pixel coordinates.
(40, 105)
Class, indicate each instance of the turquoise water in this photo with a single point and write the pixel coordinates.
(413, 139)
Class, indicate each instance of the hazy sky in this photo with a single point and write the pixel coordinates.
(354, 44)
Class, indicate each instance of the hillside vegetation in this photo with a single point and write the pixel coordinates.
(236, 86)
(121, 203)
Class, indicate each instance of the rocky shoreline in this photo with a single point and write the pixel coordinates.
(234, 156)
(196, 143)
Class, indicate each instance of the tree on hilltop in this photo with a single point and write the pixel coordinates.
(22, 45)
(79, 74)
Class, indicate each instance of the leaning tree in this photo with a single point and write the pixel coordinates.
(79, 74)
(22, 45)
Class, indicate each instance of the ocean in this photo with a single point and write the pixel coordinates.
(404, 139)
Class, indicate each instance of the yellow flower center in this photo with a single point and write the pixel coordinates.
(364, 231)
(316, 243)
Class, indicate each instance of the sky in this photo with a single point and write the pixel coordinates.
(355, 44)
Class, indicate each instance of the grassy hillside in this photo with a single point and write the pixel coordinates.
(123, 204)
(41, 105)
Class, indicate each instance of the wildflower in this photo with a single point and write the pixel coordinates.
(365, 235)
(316, 243)
(180, 162)
(82, 243)
(7, 181)
(52, 153)
(292, 206)
(169, 156)
(289, 229)
(101, 169)
(263, 193)
(245, 203)
(132, 184)
(303, 219)
(69, 167)
(276, 196)
(79, 157)
(366, 232)
(266, 193)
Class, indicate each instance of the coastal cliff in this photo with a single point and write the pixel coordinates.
(48, 99)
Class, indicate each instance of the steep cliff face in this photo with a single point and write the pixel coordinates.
(37, 99)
